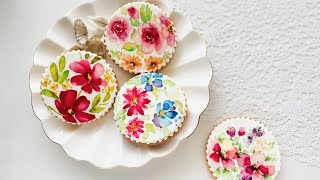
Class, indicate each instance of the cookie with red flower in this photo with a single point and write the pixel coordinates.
(149, 108)
(243, 149)
(84, 87)
(140, 31)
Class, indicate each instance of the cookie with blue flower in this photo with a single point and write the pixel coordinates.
(150, 108)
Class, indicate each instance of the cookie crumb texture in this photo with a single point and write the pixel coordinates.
(149, 108)
(78, 87)
(140, 37)
(242, 149)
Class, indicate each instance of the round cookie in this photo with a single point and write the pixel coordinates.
(149, 108)
(140, 37)
(78, 87)
(242, 149)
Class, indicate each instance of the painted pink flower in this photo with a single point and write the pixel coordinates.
(119, 29)
(231, 131)
(255, 168)
(89, 78)
(133, 12)
(71, 108)
(167, 31)
(150, 38)
(136, 100)
(242, 131)
(135, 128)
(225, 157)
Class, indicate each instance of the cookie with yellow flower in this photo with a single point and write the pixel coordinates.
(240, 148)
(150, 108)
(140, 37)
(78, 87)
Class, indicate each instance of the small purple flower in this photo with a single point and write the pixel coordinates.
(258, 132)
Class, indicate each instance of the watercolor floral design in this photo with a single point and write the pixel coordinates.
(165, 114)
(78, 91)
(89, 79)
(143, 34)
(144, 109)
(135, 101)
(135, 128)
(235, 157)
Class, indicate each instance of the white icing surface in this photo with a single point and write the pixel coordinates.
(116, 47)
(260, 145)
(158, 96)
(76, 56)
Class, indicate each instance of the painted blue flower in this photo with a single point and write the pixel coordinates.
(165, 115)
(151, 80)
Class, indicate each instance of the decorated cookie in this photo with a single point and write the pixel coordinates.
(149, 108)
(242, 149)
(78, 87)
(140, 37)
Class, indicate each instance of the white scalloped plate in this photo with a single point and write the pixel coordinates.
(100, 142)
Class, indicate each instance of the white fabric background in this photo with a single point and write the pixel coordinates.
(266, 64)
(27, 153)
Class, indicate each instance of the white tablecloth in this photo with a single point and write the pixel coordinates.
(26, 152)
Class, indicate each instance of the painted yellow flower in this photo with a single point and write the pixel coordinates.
(108, 77)
(66, 85)
(109, 89)
(261, 144)
(45, 82)
(226, 145)
(54, 87)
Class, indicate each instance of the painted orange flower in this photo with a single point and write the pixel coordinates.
(131, 62)
(153, 63)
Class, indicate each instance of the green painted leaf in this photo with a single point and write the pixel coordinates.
(52, 109)
(54, 72)
(168, 83)
(120, 117)
(146, 117)
(226, 175)
(145, 136)
(62, 63)
(179, 106)
(121, 125)
(107, 97)
(145, 13)
(134, 34)
(49, 93)
(95, 101)
(87, 56)
(95, 59)
(149, 128)
(124, 11)
(150, 106)
(135, 81)
(116, 54)
(130, 46)
(134, 22)
(63, 76)
(238, 176)
(97, 109)
(166, 131)
(139, 52)
(221, 139)
(217, 172)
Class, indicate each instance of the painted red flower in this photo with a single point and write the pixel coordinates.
(89, 78)
(133, 12)
(231, 131)
(150, 38)
(225, 157)
(167, 31)
(255, 168)
(242, 131)
(136, 101)
(72, 108)
(135, 127)
(119, 29)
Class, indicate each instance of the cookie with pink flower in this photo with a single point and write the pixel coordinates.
(242, 149)
(78, 87)
(140, 37)
(150, 108)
